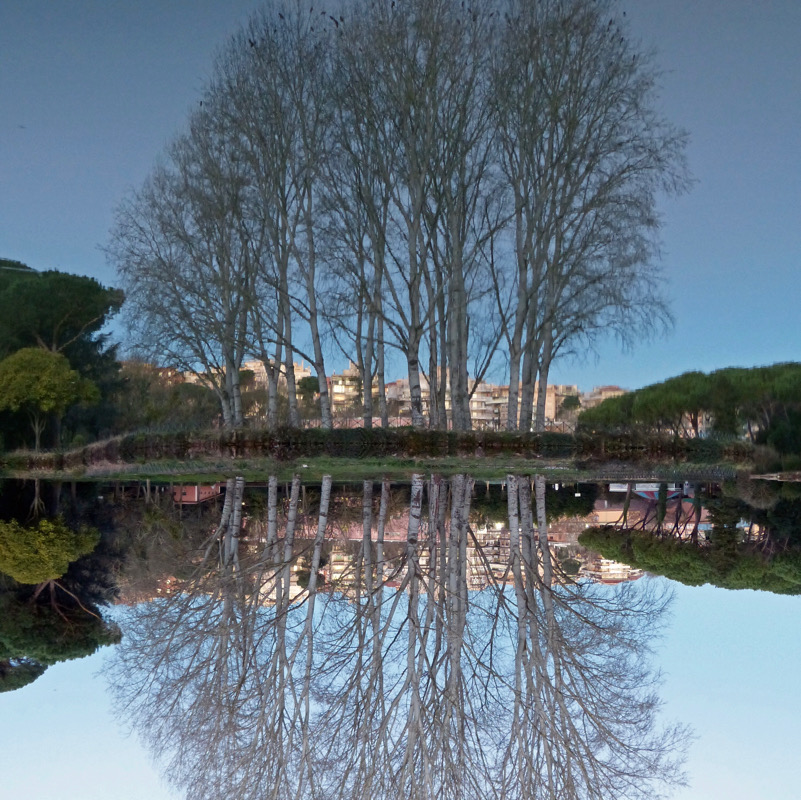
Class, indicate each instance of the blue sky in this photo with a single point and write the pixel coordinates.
(92, 90)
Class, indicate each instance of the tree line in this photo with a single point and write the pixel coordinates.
(56, 363)
(451, 187)
(761, 403)
(763, 554)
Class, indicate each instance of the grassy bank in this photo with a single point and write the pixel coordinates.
(358, 453)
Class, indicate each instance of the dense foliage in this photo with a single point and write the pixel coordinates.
(692, 564)
(763, 403)
(53, 310)
(55, 354)
(148, 398)
(41, 384)
(16, 672)
(42, 552)
(36, 635)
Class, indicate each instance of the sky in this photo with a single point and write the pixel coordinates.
(730, 663)
(91, 91)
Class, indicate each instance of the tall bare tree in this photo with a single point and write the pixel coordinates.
(586, 154)
(181, 245)
(393, 174)
(275, 81)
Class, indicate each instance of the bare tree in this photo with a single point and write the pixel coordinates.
(274, 79)
(411, 184)
(390, 175)
(585, 153)
(181, 245)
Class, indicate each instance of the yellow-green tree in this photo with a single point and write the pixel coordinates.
(43, 552)
(41, 383)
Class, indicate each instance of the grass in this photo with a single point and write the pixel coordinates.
(360, 455)
(312, 469)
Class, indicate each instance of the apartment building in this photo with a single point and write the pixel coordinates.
(599, 394)
(260, 372)
(489, 404)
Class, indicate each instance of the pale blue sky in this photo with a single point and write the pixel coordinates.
(92, 90)
(731, 672)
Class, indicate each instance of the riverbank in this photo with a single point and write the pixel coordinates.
(356, 454)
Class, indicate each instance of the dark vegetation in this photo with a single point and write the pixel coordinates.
(287, 444)
(764, 555)
(761, 405)
(56, 571)
(60, 373)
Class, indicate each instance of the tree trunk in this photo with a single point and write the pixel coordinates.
(528, 382)
(382, 387)
(418, 420)
(542, 385)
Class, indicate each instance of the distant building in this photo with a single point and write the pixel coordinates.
(167, 376)
(604, 570)
(599, 394)
(259, 371)
(197, 493)
(345, 390)
(489, 404)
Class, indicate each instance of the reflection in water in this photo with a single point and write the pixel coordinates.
(747, 538)
(394, 678)
(54, 574)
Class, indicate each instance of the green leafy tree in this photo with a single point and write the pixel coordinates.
(570, 500)
(17, 672)
(41, 383)
(763, 403)
(571, 403)
(42, 553)
(616, 412)
(725, 562)
(308, 389)
(52, 310)
(63, 313)
(8, 268)
(674, 404)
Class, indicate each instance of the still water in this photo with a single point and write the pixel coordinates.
(440, 638)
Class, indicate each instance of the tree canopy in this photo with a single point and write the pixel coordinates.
(34, 636)
(763, 403)
(727, 564)
(64, 314)
(52, 310)
(41, 383)
(18, 671)
(42, 552)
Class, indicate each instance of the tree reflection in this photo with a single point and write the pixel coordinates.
(396, 677)
(55, 573)
(751, 538)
